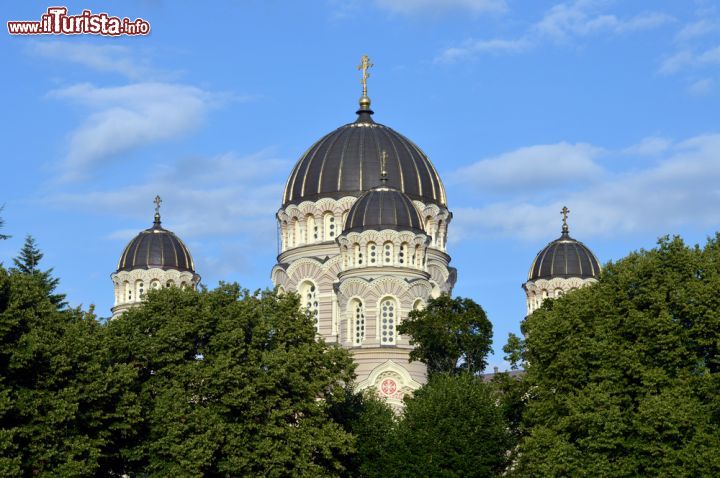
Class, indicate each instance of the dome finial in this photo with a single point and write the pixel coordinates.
(383, 168)
(364, 66)
(157, 202)
(565, 211)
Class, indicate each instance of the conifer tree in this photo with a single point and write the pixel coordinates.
(2, 223)
(28, 262)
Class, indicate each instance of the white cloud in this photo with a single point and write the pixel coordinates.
(686, 59)
(582, 18)
(562, 22)
(649, 146)
(106, 58)
(472, 48)
(701, 87)
(533, 168)
(695, 29)
(682, 189)
(124, 118)
(433, 6)
(225, 195)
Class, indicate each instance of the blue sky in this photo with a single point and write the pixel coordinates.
(608, 107)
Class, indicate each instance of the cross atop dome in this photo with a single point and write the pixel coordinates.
(157, 201)
(364, 66)
(565, 211)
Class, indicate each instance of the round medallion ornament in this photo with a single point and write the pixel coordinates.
(388, 386)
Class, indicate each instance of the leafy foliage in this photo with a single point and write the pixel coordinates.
(623, 376)
(59, 405)
(228, 385)
(28, 263)
(450, 335)
(452, 427)
(371, 422)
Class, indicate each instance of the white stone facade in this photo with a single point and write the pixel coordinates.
(536, 291)
(131, 286)
(361, 285)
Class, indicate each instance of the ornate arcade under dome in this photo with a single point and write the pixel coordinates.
(155, 258)
(563, 265)
(363, 229)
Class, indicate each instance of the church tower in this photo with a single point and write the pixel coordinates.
(563, 265)
(155, 258)
(363, 233)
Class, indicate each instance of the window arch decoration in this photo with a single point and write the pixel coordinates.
(357, 318)
(388, 313)
(309, 296)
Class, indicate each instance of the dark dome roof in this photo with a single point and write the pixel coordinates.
(156, 248)
(346, 162)
(383, 208)
(565, 257)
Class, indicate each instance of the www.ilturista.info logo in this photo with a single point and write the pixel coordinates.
(57, 22)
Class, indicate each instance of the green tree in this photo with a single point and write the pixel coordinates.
(59, 404)
(229, 384)
(450, 335)
(623, 377)
(2, 223)
(452, 427)
(28, 262)
(371, 422)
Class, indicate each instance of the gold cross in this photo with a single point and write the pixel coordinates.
(157, 202)
(364, 66)
(565, 211)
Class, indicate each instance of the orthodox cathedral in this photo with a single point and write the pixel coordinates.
(363, 227)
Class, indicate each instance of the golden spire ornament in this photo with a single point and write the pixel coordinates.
(364, 66)
(565, 211)
(157, 202)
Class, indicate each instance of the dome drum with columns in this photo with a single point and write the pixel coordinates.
(155, 258)
(363, 229)
(563, 265)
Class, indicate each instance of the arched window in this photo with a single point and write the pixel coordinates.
(128, 292)
(296, 232)
(309, 295)
(284, 235)
(403, 254)
(388, 320)
(419, 304)
(311, 228)
(372, 253)
(429, 227)
(358, 322)
(388, 253)
(139, 289)
(155, 284)
(169, 284)
(330, 226)
(358, 255)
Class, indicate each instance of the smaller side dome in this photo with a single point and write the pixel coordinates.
(565, 257)
(381, 208)
(156, 247)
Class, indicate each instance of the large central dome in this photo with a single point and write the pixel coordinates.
(346, 162)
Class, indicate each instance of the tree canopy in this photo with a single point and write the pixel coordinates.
(451, 427)
(2, 224)
(622, 377)
(28, 262)
(229, 385)
(451, 335)
(60, 405)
